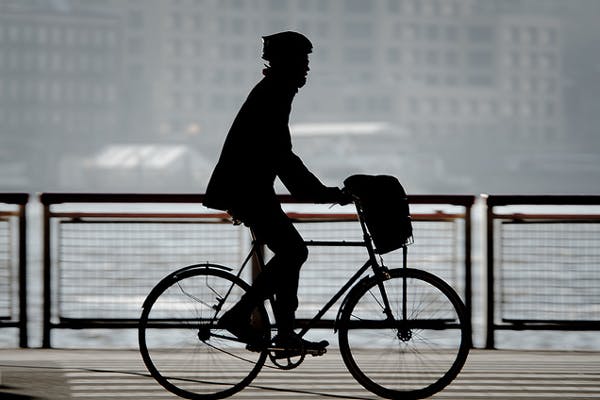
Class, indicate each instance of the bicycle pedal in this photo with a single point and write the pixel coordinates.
(283, 352)
(256, 348)
(316, 352)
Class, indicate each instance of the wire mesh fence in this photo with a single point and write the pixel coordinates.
(548, 271)
(107, 267)
(100, 265)
(436, 249)
(7, 269)
(542, 263)
(13, 264)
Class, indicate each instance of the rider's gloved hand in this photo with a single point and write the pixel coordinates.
(341, 196)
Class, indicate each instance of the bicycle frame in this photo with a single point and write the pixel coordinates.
(372, 262)
(366, 299)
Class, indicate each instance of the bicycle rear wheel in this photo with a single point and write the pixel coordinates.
(416, 354)
(181, 343)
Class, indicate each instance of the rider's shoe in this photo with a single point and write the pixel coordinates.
(238, 322)
(292, 345)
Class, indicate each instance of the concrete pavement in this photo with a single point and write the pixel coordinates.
(120, 374)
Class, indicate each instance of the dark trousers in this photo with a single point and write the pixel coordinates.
(274, 229)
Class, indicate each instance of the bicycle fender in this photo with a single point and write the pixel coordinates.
(360, 283)
(173, 275)
(206, 265)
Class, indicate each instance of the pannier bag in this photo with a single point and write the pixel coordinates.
(384, 203)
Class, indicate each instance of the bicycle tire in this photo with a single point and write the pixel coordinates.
(404, 360)
(181, 343)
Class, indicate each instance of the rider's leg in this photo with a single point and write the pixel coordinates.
(273, 228)
(282, 272)
(281, 276)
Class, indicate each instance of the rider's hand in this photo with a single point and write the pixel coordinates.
(344, 197)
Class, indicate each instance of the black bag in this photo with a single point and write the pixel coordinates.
(385, 210)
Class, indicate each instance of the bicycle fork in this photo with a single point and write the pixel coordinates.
(404, 334)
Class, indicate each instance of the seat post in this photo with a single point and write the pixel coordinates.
(258, 260)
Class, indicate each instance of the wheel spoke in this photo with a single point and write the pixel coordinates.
(410, 358)
(184, 350)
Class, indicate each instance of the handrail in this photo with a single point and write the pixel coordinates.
(574, 200)
(58, 198)
(14, 198)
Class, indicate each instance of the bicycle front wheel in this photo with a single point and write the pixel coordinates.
(181, 343)
(411, 350)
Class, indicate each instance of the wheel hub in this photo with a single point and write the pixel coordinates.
(405, 335)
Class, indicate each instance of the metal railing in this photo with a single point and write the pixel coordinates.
(542, 265)
(101, 260)
(13, 263)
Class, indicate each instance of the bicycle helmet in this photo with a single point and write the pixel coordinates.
(284, 45)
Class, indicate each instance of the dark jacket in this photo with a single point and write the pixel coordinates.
(257, 149)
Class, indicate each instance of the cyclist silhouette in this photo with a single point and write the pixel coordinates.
(258, 149)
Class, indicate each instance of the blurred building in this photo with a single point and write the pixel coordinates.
(152, 71)
(59, 80)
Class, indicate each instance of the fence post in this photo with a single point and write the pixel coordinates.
(468, 272)
(23, 334)
(47, 301)
(489, 342)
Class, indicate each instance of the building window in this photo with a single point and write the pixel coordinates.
(197, 100)
(322, 6)
(480, 34)
(358, 30)
(322, 28)
(197, 22)
(278, 5)
(549, 109)
(451, 58)
(552, 36)
(531, 35)
(481, 59)
(394, 55)
(393, 6)
(359, 6)
(135, 19)
(448, 8)
(548, 61)
(175, 48)
(451, 80)
(433, 32)
(358, 54)
(451, 33)
(135, 45)
(13, 33)
(480, 80)
(174, 21)
(413, 106)
(411, 32)
(432, 58)
(239, 26)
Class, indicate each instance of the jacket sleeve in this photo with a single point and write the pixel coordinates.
(303, 184)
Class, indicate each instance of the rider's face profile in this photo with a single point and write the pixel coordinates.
(303, 69)
(297, 69)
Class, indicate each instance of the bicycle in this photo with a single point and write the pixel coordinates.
(402, 333)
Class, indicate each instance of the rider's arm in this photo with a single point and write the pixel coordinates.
(303, 184)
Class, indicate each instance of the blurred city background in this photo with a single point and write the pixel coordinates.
(451, 96)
